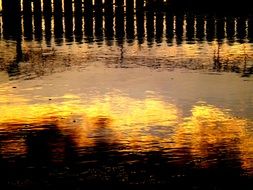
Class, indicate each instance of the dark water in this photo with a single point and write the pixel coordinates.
(120, 96)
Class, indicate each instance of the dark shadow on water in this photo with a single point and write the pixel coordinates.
(52, 159)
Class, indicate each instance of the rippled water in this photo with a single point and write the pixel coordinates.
(146, 109)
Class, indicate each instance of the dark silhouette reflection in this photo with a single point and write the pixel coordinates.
(119, 21)
(47, 12)
(52, 159)
(68, 20)
(179, 28)
(241, 29)
(98, 21)
(37, 20)
(210, 28)
(169, 27)
(109, 17)
(150, 26)
(27, 19)
(220, 28)
(230, 28)
(88, 20)
(190, 27)
(130, 20)
(200, 27)
(58, 23)
(159, 26)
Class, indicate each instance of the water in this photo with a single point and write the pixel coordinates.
(167, 100)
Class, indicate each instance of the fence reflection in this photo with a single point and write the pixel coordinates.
(120, 19)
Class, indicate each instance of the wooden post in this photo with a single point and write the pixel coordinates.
(37, 19)
(27, 19)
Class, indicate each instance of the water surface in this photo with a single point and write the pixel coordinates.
(153, 103)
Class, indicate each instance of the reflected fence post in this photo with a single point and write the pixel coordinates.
(220, 28)
(200, 27)
(68, 20)
(190, 24)
(109, 17)
(47, 13)
(58, 25)
(37, 19)
(12, 29)
(210, 28)
(140, 21)
(250, 28)
(130, 20)
(78, 12)
(98, 20)
(27, 19)
(119, 21)
(241, 28)
(88, 20)
(230, 28)
(179, 30)
(159, 26)
(169, 25)
(150, 21)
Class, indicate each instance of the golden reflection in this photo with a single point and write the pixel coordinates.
(147, 124)
(211, 131)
